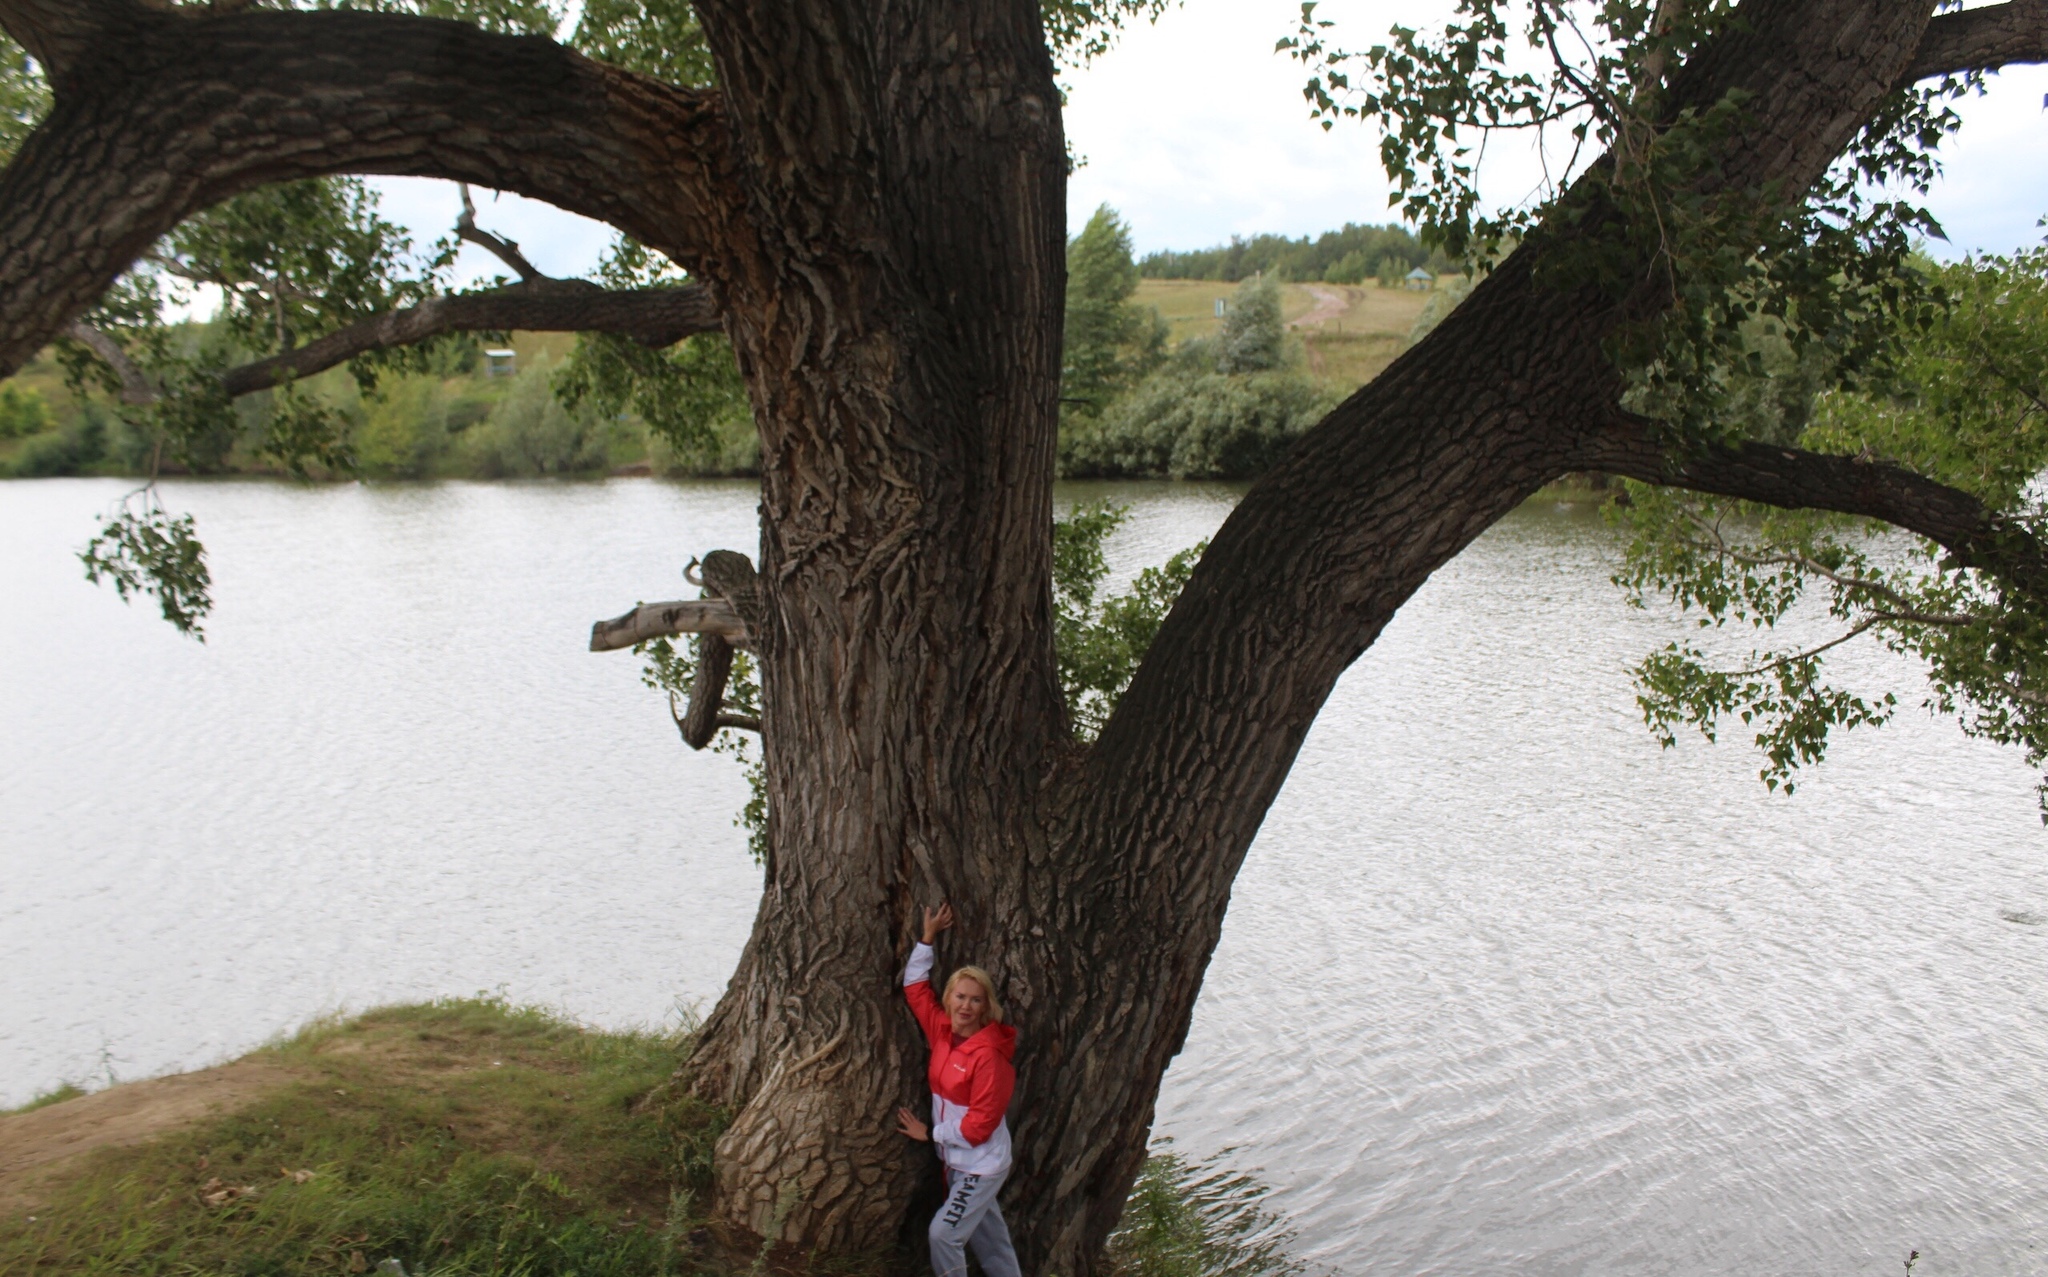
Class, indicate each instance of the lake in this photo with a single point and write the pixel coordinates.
(1503, 987)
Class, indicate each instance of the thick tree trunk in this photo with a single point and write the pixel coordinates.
(895, 304)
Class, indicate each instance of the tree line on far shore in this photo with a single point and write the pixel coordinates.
(1351, 255)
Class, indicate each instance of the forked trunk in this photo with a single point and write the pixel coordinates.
(895, 301)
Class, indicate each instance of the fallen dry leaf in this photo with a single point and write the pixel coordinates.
(215, 1193)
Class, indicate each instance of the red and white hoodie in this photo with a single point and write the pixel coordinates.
(971, 1079)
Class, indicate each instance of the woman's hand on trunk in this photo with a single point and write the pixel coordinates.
(906, 1122)
(937, 920)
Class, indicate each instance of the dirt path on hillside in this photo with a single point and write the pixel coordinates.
(1329, 305)
(39, 1143)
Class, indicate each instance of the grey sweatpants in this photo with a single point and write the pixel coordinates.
(970, 1217)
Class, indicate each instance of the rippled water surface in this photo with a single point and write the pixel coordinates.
(1504, 988)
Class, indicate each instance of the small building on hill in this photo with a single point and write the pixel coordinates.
(1418, 279)
(501, 363)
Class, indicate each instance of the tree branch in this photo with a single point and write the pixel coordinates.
(1976, 536)
(656, 317)
(60, 33)
(665, 620)
(136, 386)
(161, 114)
(503, 249)
(1981, 40)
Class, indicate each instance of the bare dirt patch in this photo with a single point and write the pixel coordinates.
(39, 1143)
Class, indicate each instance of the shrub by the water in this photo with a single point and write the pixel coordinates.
(1252, 338)
(81, 444)
(404, 430)
(22, 412)
(1222, 408)
(1199, 1219)
(530, 433)
(1198, 425)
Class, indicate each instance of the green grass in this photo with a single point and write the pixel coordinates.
(462, 1137)
(57, 1095)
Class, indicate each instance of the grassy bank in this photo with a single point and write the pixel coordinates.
(462, 1138)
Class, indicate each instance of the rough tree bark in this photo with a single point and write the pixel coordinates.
(874, 202)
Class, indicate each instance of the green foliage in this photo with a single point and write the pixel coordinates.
(531, 434)
(1190, 423)
(690, 396)
(1100, 643)
(78, 448)
(1224, 408)
(1198, 1219)
(300, 259)
(661, 38)
(55, 1095)
(1338, 257)
(1252, 338)
(143, 549)
(1110, 343)
(1968, 405)
(22, 413)
(293, 262)
(404, 429)
(669, 669)
(1081, 30)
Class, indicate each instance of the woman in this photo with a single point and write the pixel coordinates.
(971, 1080)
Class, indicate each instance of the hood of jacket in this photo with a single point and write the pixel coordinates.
(999, 1040)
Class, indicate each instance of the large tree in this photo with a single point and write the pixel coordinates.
(871, 201)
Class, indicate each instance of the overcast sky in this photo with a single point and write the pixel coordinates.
(1195, 130)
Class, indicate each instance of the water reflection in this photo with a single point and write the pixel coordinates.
(1503, 985)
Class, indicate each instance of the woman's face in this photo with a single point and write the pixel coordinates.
(967, 1005)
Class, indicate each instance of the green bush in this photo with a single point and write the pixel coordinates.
(404, 430)
(74, 449)
(530, 433)
(1184, 424)
(1199, 1219)
(22, 413)
(1252, 338)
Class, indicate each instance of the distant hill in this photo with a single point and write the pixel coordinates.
(1348, 256)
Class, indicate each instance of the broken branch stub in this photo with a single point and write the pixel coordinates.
(666, 620)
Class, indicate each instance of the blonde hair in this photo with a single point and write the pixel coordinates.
(988, 990)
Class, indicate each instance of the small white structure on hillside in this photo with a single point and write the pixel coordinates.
(1419, 280)
(501, 363)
